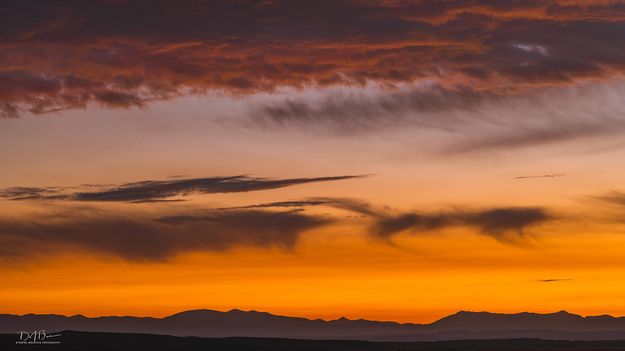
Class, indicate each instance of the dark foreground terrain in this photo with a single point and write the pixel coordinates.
(71, 340)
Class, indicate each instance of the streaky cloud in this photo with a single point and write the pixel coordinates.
(613, 197)
(506, 224)
(499, 223)
(356, 111)
(162, 190)
(553, 280)
(466, 118)
(302, 203)
(28, 193)
(553, 175)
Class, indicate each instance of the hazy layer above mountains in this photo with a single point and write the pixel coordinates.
(209, 323)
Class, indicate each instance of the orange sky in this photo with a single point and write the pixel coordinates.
(333, 271)
(387, 160)
(335, 274)
(338, 270)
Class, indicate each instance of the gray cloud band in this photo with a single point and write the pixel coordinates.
(160, 190)
(502, 223)
(139, 237)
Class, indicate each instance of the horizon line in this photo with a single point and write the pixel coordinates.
(310, 318)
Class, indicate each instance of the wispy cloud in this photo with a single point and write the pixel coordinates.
(506, 224)
(302, 203)
(613, 197)
(28, 193)
(466, 119)
(145, 236)
(553, 280)
(162, 190)
(554, 175)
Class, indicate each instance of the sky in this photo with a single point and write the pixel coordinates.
(388, 160)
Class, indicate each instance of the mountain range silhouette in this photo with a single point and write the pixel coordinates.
(237, 323)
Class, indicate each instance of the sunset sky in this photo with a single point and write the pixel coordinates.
(384, 159)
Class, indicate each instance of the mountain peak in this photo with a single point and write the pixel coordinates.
(196, 312)
(468, 314)
(236, 322)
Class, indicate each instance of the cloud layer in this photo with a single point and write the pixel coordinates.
(614, 197)
(507, 224)
(463, 118)
(70, 54)
(158, 236)
(140, 237)
(161, 190)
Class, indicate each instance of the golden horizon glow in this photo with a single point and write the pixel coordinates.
(385, 160)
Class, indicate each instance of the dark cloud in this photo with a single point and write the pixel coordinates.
(387, 226)
(118, 99)
(69, 54)
(554, 175)
(613, 197)
(28, 193)
(160, 190)
(553, 280)
(304, 203)
(140, 237)
(503, 223)
(154, 201)
(352, 205)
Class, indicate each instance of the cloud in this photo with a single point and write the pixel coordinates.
(464, 118)
(502, 222)
(387, 226)
(162, 190)
(554, 175)
(352, 205)
(140, 237)
(73, 54)
(506, 224)
(613, 197)
(28, 193)
(556, 280)
(349, 111)
(303, 203)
